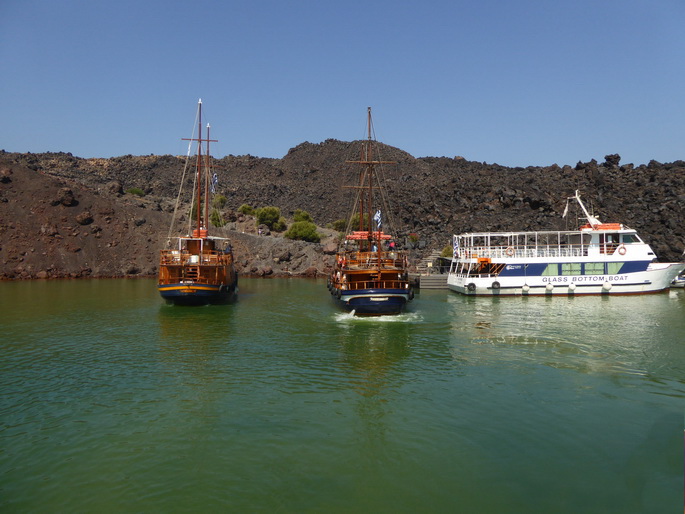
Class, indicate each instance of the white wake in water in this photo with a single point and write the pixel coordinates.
(406, 317)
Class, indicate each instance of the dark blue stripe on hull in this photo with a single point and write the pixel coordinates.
(367, 306)
(535, 269)
(198, 297)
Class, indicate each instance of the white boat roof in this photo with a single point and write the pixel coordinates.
(622, 230)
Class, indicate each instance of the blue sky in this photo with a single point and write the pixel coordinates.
(518, 83)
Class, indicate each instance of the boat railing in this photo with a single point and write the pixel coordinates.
(524, 252)
(374, 284)
(176, 257)
(466, 273)
(371, 259)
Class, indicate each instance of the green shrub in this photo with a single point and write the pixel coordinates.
(303, 231)
(269, 216)
(339, 225)
(300, 215)
(355, 222)
(219, 201)
(216, 218)
(246, 209)
(135, 191)
(447, 252)
(280, 225)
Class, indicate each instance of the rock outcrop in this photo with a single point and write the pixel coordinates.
(64, 216)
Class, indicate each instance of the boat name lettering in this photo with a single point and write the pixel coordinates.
(585, 278)
(555, 279)
(512, 266)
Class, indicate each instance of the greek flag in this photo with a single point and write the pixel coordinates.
(215, 182)
(455, 247)
(377, 218)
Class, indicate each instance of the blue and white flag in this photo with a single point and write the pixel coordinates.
(455, 247)
(215, 182)
(377, 218)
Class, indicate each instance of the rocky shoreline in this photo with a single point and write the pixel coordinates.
(63, 216)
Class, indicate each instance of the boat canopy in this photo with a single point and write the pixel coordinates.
(364, 235)
(604, 226)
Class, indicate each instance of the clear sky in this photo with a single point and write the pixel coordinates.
(514, 82)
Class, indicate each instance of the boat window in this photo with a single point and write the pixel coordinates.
(551, 270)
(614, 267)
(570, 268)
(594, 268)
(629, 238)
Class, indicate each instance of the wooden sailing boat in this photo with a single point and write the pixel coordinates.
(370, 276)
(198, 268)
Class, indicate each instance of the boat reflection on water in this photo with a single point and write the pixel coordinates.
(191, 337)
(560, 333)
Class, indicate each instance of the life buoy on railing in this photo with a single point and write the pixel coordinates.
(622, 250)
(509, 251)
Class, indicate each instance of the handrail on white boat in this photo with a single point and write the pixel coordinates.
(508, 252)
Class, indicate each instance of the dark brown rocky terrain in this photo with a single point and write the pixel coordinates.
(64, 216)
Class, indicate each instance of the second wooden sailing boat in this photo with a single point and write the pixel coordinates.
(370, 276)
(198, 269)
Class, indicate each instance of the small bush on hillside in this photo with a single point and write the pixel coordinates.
(192, 213)
(216, 219)
(303, 231)
(300, 215)
(246, 209)
(269, 216)
(219, 201)
(280, 225)
(339, 225)
(135, 191)
(447, 252)
(354, 222)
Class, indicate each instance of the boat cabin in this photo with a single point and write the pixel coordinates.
(588, 242)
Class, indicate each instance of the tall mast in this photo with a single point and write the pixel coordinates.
(369, 170)
(366, 183)
(207, 178)
(199, 167)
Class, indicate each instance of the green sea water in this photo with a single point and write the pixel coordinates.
(111, 401)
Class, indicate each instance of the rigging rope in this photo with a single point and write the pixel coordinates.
(183, 178)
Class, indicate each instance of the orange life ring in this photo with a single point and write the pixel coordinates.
(622, 250)
(509, 251)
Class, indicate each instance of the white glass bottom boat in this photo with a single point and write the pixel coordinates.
(598, 258)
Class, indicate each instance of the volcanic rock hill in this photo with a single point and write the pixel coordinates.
(65, 216)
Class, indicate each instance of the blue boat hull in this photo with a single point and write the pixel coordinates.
(374, 302)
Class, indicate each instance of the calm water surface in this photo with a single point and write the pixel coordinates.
(111, 401)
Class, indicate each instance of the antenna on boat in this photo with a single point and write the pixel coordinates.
(593, 221)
